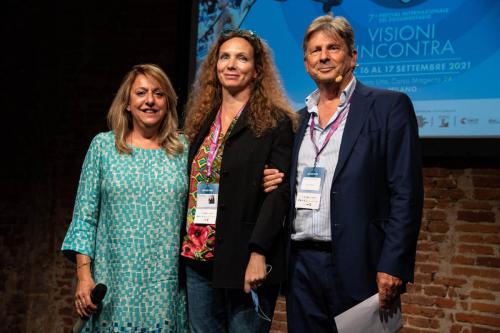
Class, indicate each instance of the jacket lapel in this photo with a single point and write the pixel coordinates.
(358, 113)
(241, 123)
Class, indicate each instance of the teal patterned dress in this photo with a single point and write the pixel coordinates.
(127, 218)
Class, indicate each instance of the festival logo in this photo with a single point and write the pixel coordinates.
(398, 3)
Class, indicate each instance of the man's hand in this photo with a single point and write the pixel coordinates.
(272, 178)
(389, 288)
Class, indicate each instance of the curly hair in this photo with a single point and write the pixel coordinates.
(120, 120)
(268, 103)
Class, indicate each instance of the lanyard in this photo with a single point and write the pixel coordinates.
(333, 128)
(214, 143)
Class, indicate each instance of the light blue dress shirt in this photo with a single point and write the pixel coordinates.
(315, 224)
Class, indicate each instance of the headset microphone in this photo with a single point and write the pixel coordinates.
(340, 77)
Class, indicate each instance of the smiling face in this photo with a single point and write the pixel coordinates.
(327, 57)
(147, 102)
(236, 66)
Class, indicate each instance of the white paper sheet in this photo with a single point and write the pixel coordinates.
(365, 318)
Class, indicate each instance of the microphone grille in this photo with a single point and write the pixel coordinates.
(98, 293)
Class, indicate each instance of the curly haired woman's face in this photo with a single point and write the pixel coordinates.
(235, 65)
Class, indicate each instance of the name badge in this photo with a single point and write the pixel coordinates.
(206, 203)
(309, 194)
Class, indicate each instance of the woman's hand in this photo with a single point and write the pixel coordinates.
(85, 285)
(83, 303)
(255, 274)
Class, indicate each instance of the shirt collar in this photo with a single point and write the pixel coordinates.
(313, 99)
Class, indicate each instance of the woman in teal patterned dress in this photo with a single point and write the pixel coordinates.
(130, 202)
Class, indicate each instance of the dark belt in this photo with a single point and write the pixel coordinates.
(325, 246)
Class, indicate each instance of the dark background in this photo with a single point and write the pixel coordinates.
(61, 63)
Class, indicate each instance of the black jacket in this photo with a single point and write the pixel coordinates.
(247, 218)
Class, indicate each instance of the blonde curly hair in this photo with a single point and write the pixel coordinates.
(120, 120)
(268, 102)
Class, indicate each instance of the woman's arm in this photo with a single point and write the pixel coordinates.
(275, 204)
(79, 243)
(85, 284)
(273, 210)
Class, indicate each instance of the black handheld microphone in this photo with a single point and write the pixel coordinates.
(96, 296)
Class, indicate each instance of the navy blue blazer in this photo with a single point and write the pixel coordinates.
(376, 195)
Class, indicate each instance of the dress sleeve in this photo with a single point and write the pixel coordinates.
(81, 235)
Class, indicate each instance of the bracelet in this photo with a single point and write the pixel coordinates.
(84, 264)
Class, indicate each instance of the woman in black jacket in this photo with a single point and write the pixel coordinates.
(238, 121)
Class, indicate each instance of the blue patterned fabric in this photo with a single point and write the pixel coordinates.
(127, 218)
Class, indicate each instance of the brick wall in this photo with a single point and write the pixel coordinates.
(457, 276)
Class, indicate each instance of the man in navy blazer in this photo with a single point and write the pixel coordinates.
(356, 180)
